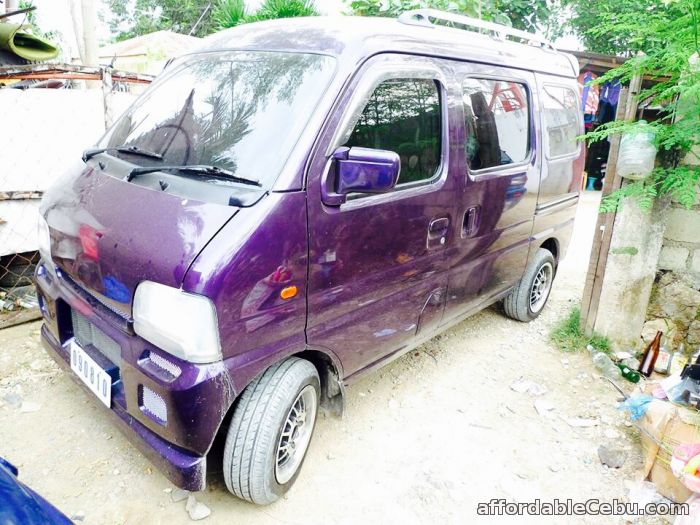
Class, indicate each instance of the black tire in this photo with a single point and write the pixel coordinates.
(256, 429)
(518, 304)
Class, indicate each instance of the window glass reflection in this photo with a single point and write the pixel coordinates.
(240, 111)
(403, 115)
(497, 121)
(561, 120)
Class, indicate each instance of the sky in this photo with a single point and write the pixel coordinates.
(55, 15)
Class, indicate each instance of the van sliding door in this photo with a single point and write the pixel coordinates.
(500, 165)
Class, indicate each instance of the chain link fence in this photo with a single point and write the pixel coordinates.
(19, 257)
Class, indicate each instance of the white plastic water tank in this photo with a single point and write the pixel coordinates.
(637, 152)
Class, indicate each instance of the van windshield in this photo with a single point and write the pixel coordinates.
(240, 111)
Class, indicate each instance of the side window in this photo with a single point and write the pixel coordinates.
(561, 120)
(497, 120)
(403, 115)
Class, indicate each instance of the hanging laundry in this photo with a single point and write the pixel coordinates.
(589, 94)
(610, 92)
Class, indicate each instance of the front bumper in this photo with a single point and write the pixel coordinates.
(195, 396)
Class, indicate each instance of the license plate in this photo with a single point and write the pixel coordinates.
(91, 373)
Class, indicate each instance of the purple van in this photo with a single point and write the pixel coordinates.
(293, 205)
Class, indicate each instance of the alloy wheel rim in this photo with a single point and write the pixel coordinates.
(296, 434)
(541, 287)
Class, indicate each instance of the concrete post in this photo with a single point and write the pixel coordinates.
(630, 271)
(621, 278)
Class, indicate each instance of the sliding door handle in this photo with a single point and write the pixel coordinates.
(439, 226)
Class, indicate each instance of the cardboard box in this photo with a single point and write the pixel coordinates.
(669, 425)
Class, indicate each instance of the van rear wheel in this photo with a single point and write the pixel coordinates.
(270, 431)
(528, 298)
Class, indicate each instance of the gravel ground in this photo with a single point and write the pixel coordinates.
(424, 440)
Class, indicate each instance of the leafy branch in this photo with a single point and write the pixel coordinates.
(529, 15)
(668, 40)
(230, 13)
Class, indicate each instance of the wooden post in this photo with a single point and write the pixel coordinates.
(626, 110)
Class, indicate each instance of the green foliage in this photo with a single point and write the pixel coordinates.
(271, 9)
(567, 335)
(522, 14)
(641, 191)
(130, 19)
(680, 183)
(614, 27)
(141, 17)
(230, 13)
(668, 39)
(625, 250)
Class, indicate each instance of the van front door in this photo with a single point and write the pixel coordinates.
(499, 165)
(378, 272)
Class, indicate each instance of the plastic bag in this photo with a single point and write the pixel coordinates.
(637, 406)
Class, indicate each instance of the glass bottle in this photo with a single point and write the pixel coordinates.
(651, 354)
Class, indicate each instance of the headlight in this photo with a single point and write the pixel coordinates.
(178, 322)
(44, 240)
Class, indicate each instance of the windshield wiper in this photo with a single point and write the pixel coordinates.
(201, 169)
(134, 150)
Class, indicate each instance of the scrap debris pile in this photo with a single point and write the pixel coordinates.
(665, 406)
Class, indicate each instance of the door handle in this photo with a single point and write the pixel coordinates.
(439, 226)
(437, 232)
(472, 218)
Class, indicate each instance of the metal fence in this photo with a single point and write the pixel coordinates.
(18, 302)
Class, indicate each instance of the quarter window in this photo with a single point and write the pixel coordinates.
(497, 120)
(561, 120)
(403, 115)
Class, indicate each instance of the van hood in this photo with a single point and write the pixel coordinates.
(107, 235)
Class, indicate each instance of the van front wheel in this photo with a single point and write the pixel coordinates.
(529, 296)
(270, 431)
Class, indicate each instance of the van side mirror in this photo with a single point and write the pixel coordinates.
(360, 170)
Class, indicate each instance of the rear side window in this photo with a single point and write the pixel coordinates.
(497, 120)
(403, 115)
(561, 120)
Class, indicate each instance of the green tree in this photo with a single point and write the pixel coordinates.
(618, 27)
(128, 20)
(230, 13)
(528, 15)
(670, 45)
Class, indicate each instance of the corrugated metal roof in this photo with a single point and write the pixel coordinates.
(165, 43)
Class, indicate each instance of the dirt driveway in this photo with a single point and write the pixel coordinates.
(423, 441)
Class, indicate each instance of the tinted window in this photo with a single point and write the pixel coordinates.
(241, 111)
(497, 120)
(561, 120)
(403, 116)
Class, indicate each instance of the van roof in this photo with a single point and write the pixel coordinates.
(353, 39)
